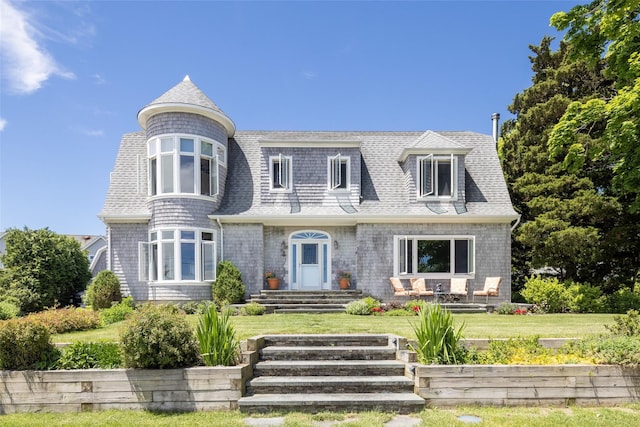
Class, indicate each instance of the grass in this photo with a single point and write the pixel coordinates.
(477, 325)
(627, 415)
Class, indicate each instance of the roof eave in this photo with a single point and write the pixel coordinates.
(176, 107)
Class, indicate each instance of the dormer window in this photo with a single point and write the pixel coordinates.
(436, 176)
(339, 173)
(172, 166)
(280, 172)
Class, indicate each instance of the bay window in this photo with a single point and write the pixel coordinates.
(172, 165)
(434, 256)
(182, 255)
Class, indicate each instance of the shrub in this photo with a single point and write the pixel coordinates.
(103, 291)
(626, 326)
(547, 293)
(623, 300)
(399, 312)
(254, 309)
(228, 287)
(217, 336)
(415, 305)
(359, 308)
(89, 355)
(371, 302)
(158, 337)
(25, 344)
(8, 310)
(616, 350)
(393, 305)
(506, 308)
(437, 339)
(117, 312)
(585, 299)
(70, 319)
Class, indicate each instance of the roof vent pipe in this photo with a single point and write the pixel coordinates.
(495, 118)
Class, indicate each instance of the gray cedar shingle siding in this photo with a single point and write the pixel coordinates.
(257, 223)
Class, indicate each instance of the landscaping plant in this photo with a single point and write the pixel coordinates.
(219, 345)
(69, 319)
(437, 338)
(103, 291)
(253, 309)
(228, 287)
(359, 308)
(117, 312)
(25, 344)
(90, 355)
(158, 337)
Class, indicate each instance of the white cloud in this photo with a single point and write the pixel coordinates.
(94, 132)
(3, 124)
(98, 79)
(26, 64)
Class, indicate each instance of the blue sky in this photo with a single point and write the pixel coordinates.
(75, 74)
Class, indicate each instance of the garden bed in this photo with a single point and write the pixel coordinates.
(190, 389)
(526, 385)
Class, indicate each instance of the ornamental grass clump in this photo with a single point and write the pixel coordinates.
(219, 345)
(437, 338)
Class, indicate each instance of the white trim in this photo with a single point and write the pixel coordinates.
(286, 174)
(294, 283)
(317, 220)
(398, 238)
(124, 219)
(436, 151)
(96, 257)
(332, 172)
(309, 143)
(175, 107)
(453, 177)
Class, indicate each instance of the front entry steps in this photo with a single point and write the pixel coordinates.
(313, 373)
(306, 301)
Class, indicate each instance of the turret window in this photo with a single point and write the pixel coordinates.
(172, 166)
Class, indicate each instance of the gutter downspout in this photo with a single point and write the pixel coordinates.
(221, 239)
(513, 227)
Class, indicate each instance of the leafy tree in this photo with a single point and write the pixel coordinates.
(42, 268)
(605, 127)
(565, 216)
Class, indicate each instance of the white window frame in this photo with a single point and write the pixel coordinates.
(334, 172)
(285, 175)
(155, 154)
(146, 272)
(400, 249)
(427, 176)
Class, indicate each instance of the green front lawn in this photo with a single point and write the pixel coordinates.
(477, 325)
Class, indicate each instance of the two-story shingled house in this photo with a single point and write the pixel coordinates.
(189, 190)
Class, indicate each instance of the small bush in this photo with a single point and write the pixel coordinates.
(623, 300)
(25, 344)
(393, 305)
(437, 338)
(626, 326)
(359, 308)
(117, 312)
(371, 302)
(415, 305)
(547, 293)
(228, 287)
(62, 320)
(103, 291)
(158, 337)
(585, 299)
(253, 309)
(195, 307)
(219, 345)
(506, 308)
(89, 355)
(8, 310)
(614, 350)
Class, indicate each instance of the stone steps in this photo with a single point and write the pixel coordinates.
(305, 301)
(337, 372)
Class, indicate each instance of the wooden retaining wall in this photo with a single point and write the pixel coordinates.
(526, 385)
(191, 389)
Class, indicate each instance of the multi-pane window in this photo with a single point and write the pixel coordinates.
(280, 172)
(172, 166)
(436, 176)
(435, 255)
(339, 172)
(178, 255)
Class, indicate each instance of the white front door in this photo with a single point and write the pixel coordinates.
(309, 261)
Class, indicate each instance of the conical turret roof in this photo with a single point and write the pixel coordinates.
(186, 97)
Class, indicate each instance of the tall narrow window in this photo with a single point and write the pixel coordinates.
(187, 166)
(168, 256)
(436, 176)
(281, 172)
(188, 255)
(208, 257)
(338, 172)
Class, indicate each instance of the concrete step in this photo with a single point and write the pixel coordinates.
(270, 300)
(328, 340)
(286, 293)
(332, 384)
(394, 402)
(291, 368)
(328, 353)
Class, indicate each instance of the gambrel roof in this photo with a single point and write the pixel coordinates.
(385, 196)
